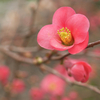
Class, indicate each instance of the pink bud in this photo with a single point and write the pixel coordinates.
(80, 71)
(18, 86)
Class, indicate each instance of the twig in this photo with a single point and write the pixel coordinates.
(89, 46)
(16, 56)
(93, 44)
(45, 59)
(90, 54)
(21, 49)
(31, 61)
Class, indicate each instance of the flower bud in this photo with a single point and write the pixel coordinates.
(80, 71)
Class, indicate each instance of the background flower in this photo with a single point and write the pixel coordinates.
(36, 94)
(53, 85)
(4, 74)
(18, 86)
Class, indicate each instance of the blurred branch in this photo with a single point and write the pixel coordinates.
(24, 49)
(89, 54)
(32, 22)
(89, 46)
(15, 56)
(48, 69)
(21, 49)
(30, 61)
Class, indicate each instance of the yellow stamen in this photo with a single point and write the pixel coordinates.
(65, 36)
(52, 86)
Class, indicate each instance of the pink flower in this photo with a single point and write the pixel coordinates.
(68, 31)
(95, 22)
(73, 95)
(61, 69)
(18, 86)
(36, 94)
(53, 98)
(65, 98)
(53, 85)
(4, 74)
(93, 74)
(81, 71)
(96, 51)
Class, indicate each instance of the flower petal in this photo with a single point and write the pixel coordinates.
(61, 15)
(87, 67)
(79, 47)
(78, 72)
(57, 44)
(45, 35)
(78, 24)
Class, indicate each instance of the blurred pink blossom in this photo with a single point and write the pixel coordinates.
(53, 85)
(73, 95)
(18, 86)
(4, 74)
(36, 94)
(65, 98)
(95, 22)
(62, 69)
(93, 74)
(97, 51)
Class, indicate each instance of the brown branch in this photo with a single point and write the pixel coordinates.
(68, 54)
(16, 56)
(93, 44)
(90, 54)
(45, 59)
(31, 61)
(24, 49)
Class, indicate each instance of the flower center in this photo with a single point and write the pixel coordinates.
(66, 36)
(52, 86)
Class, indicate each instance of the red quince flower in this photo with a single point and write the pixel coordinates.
(68, 31)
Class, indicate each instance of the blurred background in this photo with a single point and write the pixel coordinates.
(20, 22)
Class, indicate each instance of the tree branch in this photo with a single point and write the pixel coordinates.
(48, 69)
(89, 46)
(15, 56)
